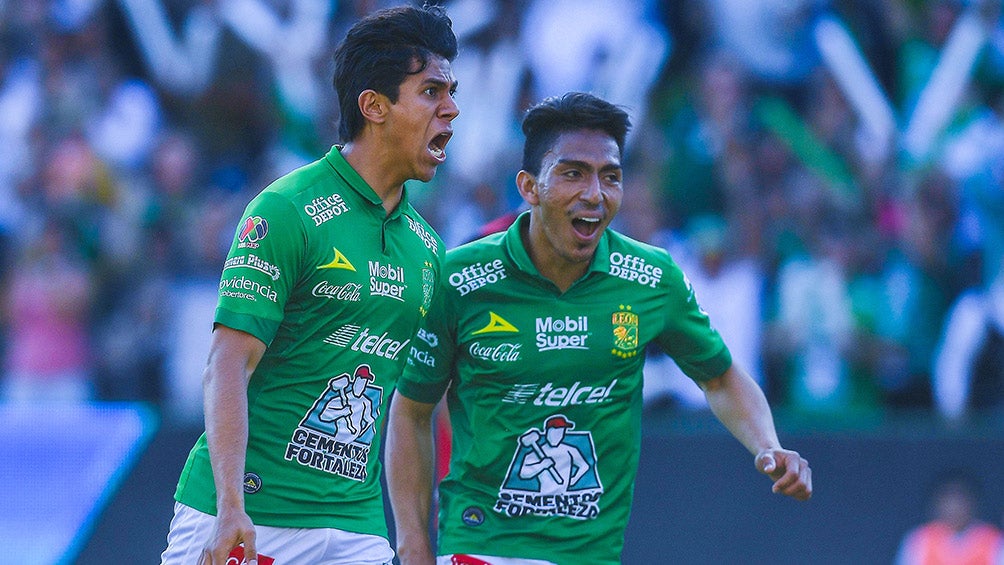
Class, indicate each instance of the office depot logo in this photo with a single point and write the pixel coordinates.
(632, 268)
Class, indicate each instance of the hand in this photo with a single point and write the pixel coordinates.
(409, 555)
(233, 527)
(789, 471)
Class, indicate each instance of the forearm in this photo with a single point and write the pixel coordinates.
(739, 403)
(226, 415)
(233, 357)
(409, 476)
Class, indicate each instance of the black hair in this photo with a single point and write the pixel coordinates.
(380, 51)
(573, 111)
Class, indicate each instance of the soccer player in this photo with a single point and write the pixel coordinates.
(329, 274)
(537, 340)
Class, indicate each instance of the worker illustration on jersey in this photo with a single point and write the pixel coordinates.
(347, 406)
(553, 472)
(556, 464)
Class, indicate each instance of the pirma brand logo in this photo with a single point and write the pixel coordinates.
(473, 516)
(496, 324)
(625, 323)
(252, 483)
(339, 262)
(253, 230)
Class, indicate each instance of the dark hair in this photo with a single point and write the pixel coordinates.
(380, 51)
(573, 111)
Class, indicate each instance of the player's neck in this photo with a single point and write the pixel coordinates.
(376, 167)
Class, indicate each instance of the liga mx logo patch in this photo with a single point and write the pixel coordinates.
(625, 329)
(253, 230)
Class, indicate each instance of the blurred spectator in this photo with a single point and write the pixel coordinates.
(47, 302)
(955, 535)
(851, 148)
(969, 362)
(812, 327)
(730, 287)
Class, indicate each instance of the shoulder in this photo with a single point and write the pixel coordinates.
(640, 262)
(489, 246)
(480, 263)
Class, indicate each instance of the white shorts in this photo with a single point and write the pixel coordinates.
(487, 560)
(191, 529)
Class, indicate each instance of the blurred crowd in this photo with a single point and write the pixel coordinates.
(828, 173)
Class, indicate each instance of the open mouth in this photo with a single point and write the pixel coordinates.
(586, 227)
(438, 145)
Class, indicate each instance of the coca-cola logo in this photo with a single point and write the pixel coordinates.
(347, 292)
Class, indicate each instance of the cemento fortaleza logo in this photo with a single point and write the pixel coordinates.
(253, 229)
(387, 280)
(625, 324)
(632, 268)
(335, 436)
(553, 473)
(477, 275)
(562, 333)
(380, 345)
(550, 394)
(247, 289)
(252, 261)
(324, 208)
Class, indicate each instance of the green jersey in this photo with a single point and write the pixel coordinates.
(544, 392)
(336, 289)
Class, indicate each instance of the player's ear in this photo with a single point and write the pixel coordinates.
(373, 106)
(527, 185)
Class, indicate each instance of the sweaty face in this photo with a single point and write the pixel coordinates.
(573, 200)
(419, 123)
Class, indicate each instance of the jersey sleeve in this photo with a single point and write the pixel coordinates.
(429, 365)
(262, 267)
(689, 338)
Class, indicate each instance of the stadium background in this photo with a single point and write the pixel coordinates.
(827, 171)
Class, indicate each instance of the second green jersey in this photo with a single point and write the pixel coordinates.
(336, 289)
(544, 392)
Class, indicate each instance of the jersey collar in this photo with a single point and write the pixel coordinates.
(361, 187)
(519, 255)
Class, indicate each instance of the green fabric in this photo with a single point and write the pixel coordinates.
(336, 288)
(514, 352)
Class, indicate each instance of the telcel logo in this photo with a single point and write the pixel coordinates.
(556, 396)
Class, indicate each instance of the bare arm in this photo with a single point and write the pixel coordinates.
(233, 357)
(409, 477)
(740, 405)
